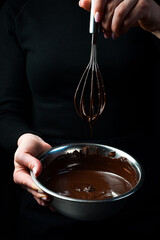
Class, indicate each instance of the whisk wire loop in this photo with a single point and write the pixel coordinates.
(97, 96)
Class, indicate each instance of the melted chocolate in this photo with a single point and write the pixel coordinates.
(89, 177)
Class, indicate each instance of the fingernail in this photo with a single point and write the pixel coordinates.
(44, 204)
(34, 170)
(45, 198)
(40, 191)
(107, 34)
(80, 4)
(98, 17)
(113, 36)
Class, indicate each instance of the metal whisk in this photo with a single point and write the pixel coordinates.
(90, 96)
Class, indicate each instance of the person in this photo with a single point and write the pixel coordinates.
(44, 47)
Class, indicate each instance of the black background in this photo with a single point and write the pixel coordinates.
(139, 218)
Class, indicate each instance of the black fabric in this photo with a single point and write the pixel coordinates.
(1, 2)
(44, 48)
(42, 59)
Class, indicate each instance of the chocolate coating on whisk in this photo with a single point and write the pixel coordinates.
(90, 95)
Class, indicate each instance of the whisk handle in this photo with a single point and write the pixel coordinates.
(93, 26)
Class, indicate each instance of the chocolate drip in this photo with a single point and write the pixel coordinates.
(90, 95)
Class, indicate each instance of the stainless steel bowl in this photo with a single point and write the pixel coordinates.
(87, 210)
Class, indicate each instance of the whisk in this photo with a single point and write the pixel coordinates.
(90, 96)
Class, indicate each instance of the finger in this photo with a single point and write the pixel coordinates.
(23, 178)
(42, 202)
(99, 9)
(131, 20)
(107, 34)
(30, 162)
(120, 13)
(108, 14)
(86, 4)
(37, 194)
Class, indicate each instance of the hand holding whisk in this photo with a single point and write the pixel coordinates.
(90, 96)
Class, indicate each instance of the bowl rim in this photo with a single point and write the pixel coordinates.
(131, 159)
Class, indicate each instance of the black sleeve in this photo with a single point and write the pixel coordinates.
(14, 90)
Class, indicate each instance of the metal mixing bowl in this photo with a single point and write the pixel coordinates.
(87, 210)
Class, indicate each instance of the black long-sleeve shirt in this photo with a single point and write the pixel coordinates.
(44, 48)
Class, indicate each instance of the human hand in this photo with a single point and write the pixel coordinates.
(118, 16)
(29, 147)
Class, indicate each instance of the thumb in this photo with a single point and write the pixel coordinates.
(36, 166)
(28, 161)
(23, 163)
(86, 4)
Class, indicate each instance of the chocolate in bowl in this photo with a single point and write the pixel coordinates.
(88, 181)
(91, 177)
